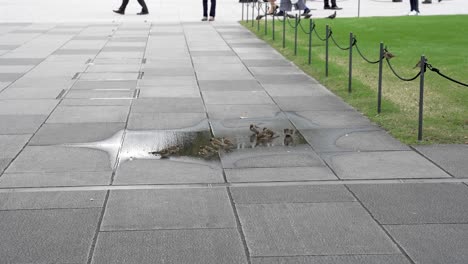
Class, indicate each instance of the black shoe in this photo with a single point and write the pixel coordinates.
(143, 13)
(118, 11)
(280, 13)
(336, 8)
(326, 7)
(306, 11)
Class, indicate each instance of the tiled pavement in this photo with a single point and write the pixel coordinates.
(81, 105)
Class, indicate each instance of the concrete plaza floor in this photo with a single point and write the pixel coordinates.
(83, 103)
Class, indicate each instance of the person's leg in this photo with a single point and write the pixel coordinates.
(416, 6)
(326, 3)
(123, 5)
(205, 8)
(213, 8)
(144, 8)
(285, 5)
(272, 8)
(333, 2)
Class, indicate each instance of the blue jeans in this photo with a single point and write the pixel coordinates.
(212, 9)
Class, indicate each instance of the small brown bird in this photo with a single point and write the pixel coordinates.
(166, 152)
(288, 138)
(332, 16)
(388, 55)
(268, 132)
(254, 128)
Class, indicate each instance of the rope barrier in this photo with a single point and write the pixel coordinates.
(336, 44)
(398, 76)
(296, 24)
(362, 56)
(318, 36)
(444, 76)
(310, 29)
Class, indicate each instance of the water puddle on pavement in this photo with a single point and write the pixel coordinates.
(194, 144)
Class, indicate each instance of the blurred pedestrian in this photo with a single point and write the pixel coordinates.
(121, 10)
(414, 5)
(286, 6)
(326, 5)
(212, 10)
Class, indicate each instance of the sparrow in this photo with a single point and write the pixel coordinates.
(288, 139)
(388, 55)
(254, 128)
(167, 152)
(332, 16)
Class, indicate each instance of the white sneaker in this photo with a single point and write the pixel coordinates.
(411, 13)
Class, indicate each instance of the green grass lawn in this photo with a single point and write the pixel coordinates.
(442, 39)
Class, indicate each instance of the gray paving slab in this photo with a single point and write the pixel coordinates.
(54, 134)
(163, 121)
(266, 62)
(3, 85)
(99, 94)
(291, 194)
(115, 54)
(20, 124)
(173, 72)
(281, 79)
(350, 259)
(236, 97)
(10, 77)
(382, 165)
(201, 246)
(168, 209)
(15, 68)
(114, 68)
(172, 91)
(47, 236)
(288, 90)
(97, 102)
(20, 61)
(51, 200)
(311, 103)
(216, 60)
(152, 171)
(277, 71)
(221, 112)
(90, 52)
(52, 179)
(109, 76)
(11, 145)
(328, 119)
(272, 157)
(451, 158)
(415, 203)
(89, 114)
(122, 49)
(229, 85)
(4, 164)
(279, 174)
(224, 75)
(36, 82)
(352, 139)
(435, 243)
(60, 159)
(165, 81)
(104, 85)
(297, 229)
(168, 105)
(215, 53)
(28, 93)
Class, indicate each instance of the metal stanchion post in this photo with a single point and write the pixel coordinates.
(379, 96)
(350, 80)
(258, 13)
(284, 30)
(327, 32)
(266, 19)
(273, 33)
(253, 14)
(295, 35)
(242, 11)
(311, 26)
(421, 97)
(247, 15)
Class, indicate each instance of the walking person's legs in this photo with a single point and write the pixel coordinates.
(122, 7)
(213, 9)
(205, 10)
(144, 8)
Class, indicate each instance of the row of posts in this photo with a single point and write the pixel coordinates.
(350, 67)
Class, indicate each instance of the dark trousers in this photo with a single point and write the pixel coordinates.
(414, 5)
(144, 8)
(212, 8)
(326, 3)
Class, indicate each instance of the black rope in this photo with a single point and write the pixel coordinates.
(296, 24)
(445, 76)
(398, 76)
(318, 36)
(336, 44)
(310, 29)
(362, 56)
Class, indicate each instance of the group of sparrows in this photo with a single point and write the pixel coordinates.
(265, 136)
(216, 145)
(260, 136)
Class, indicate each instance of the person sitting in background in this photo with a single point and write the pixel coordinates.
(326, 5)
(286, 5)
